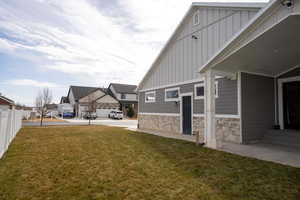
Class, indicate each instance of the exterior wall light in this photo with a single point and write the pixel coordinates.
(194, 37)
(287, 3)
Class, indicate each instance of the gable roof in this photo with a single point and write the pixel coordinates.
(9, 101)
(252, 24)
(198, 4)
(107, 95)
(124, 88)
(64, 100)
(81, 91)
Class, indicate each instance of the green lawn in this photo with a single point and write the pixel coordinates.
(99, 162)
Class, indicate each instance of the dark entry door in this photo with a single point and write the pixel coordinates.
(187, 115)
(291, 101)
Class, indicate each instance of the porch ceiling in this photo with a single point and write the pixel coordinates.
(272, 53)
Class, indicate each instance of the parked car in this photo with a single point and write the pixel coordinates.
(116, 115)
(91, 116)
(110, 114)
(68, 115)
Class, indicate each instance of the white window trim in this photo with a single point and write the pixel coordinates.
(194, 21)
(152, 92)
(202, 85)
(217, 89)
(172, 99)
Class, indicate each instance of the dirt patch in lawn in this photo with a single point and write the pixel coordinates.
(97, 162)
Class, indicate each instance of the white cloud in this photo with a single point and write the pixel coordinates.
(32, 83)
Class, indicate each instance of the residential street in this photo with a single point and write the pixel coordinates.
(130, 124)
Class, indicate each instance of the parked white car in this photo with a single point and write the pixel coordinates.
(115, 115)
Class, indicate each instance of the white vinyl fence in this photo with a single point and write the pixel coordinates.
(10, 124)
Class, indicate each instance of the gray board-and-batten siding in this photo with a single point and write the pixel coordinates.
(259, 103)
(258, 106)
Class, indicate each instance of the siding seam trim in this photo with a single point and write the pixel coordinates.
(194, 115)
(177, 84)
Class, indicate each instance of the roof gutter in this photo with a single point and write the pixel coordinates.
(230, 4)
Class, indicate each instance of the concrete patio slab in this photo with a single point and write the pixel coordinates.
(274, 153)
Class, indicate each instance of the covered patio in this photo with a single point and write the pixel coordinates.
(271, 53)
(269, 63)
(266, 64)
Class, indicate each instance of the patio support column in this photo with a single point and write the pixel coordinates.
(209, 109)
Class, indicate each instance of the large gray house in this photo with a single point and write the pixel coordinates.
(230, 72)
(126, 95)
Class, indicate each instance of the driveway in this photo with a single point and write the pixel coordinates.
(126, 123)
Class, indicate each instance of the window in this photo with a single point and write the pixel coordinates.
(172, 94)
(123, 96)
(150, 97)
(199, 90)
(196, 18)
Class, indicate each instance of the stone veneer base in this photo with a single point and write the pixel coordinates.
(227, 129)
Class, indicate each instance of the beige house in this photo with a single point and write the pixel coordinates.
(82, 97)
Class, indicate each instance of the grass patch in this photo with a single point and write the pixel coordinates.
(97, 162)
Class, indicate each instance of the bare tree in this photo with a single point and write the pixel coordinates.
(43, 98)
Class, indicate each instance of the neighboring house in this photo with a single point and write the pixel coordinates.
(64, 106)
(52, 110)
(6, 103)
(126, 95)
(64, 100)
(82, 97)
(230, 72)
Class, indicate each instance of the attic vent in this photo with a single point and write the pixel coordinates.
(196, 18)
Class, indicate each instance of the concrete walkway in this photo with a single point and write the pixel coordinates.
(189, 138)
(268, 152)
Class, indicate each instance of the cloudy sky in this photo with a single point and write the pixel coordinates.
(57, 43)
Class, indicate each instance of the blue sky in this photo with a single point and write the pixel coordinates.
(58, 43)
